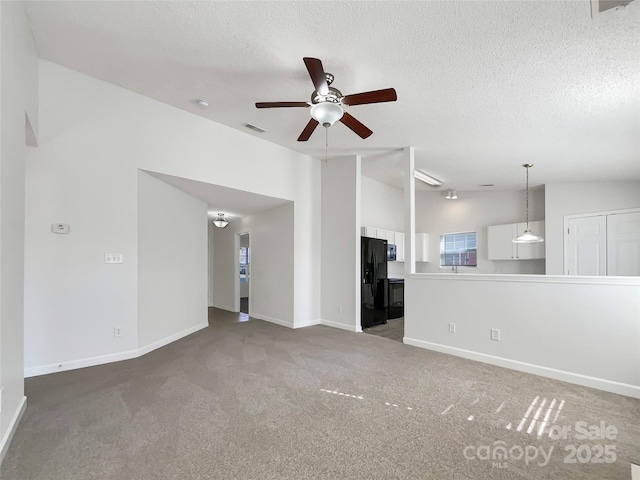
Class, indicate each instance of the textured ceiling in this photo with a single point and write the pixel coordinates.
(483, 86)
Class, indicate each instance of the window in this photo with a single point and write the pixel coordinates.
(244, 264)
(458, 249)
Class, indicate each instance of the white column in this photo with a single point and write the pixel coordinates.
(340, 240)
(409, 212)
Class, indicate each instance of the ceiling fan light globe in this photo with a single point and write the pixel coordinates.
(326, 113)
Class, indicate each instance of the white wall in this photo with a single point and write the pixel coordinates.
(585, 331)
(272, 260)
(341, 243)
(223, 245)
(18, 98)
(210, 261)
(94, 138)
(574, 198)
(382, 206)
(172, 262)
(272, 272)
(474, 211)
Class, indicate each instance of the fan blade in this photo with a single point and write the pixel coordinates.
(280, 104)
(308, 130)
(355, 125)
(377, 96)
(316, 72)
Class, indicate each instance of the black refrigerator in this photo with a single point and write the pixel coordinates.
(373, 269)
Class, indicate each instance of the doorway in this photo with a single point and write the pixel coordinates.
(245, 272)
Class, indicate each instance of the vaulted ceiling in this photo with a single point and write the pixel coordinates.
(483, 86)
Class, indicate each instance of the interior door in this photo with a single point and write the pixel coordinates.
(587, 246)
(623, 244)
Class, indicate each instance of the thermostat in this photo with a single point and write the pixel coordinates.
(60, 228)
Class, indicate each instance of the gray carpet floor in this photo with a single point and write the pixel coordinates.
(253, 400)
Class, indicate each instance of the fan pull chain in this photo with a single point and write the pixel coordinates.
(326, 144)
(527, 197)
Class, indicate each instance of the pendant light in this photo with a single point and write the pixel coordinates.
(220, 221)
(527, 236)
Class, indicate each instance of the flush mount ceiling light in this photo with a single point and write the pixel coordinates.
(426, 178)
(527, 236)
(452, 194)
(220, 221)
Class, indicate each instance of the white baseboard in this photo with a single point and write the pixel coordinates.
(228, 308)
(171, 338)
(109, 358)
(308, 323)
(342, 326)
(13, 425)
(584, 380)
(79, 363)
(266, 318)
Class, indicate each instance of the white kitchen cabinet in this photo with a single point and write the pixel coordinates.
(500, 244)
(422, 247)
(384, 235)
(397, 239)
(379, 233)
(369, 232)
(399, 242)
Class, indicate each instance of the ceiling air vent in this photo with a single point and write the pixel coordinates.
(254, 128)
(599, 6)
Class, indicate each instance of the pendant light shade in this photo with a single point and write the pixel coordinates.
(220, 221)
(528, 236)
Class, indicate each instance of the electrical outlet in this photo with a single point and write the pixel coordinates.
(452, 328)
(495, 334)
(340, 309)
(117, 331)
(113, 258)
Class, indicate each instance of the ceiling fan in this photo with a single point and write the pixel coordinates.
(327, 103)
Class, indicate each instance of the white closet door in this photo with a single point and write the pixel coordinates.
(587, 246)
(623, 244)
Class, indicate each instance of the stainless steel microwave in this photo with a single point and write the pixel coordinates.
(391, 252)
